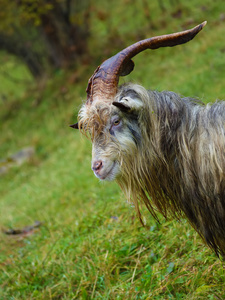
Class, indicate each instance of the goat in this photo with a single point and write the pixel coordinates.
(163, 150)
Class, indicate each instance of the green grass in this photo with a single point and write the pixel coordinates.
(91, 245)
(14, 78)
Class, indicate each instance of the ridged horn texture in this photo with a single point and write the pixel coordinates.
(103, 83)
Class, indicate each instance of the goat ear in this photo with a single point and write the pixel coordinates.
(75, 126)
(128, 104)
(122, 106)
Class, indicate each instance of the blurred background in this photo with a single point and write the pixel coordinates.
(40, 38)
(63, 234)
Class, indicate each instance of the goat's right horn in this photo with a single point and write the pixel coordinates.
(103, 83)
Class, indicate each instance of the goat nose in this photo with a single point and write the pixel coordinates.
(97, 165)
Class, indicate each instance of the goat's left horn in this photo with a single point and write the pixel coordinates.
(103, 83)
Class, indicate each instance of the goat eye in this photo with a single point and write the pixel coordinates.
(116, 122)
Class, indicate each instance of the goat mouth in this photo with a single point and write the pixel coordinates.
(109, 176)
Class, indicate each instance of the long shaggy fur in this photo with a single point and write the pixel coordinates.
(179, 163)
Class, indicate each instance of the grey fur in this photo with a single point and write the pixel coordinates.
(169, 153)
(186, 163)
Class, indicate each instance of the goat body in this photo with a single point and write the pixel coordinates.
(165, 151)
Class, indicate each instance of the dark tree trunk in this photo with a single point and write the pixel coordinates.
(65, 41)
(54, 42)
(24, 52)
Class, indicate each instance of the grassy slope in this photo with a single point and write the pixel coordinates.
(10, 76)
(90, 244)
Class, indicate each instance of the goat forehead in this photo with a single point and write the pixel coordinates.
(102, 113)
(96, 117)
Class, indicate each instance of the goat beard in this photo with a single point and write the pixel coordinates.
(163, 190)
(172, 174)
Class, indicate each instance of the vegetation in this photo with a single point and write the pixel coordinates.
(44, 34)
(90, 244)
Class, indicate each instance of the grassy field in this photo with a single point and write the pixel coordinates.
(90, 244)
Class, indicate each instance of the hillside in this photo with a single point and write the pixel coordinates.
(90, 245)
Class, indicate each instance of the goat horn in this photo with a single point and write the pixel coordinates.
(103, 83)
